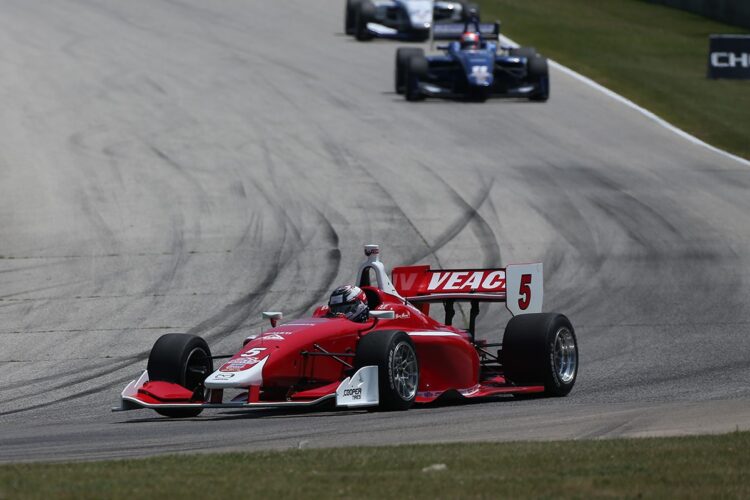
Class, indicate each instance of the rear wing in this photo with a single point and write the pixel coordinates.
(520, 286)
(453, 31)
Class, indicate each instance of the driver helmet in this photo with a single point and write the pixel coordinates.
(470, 40)
(349, 302)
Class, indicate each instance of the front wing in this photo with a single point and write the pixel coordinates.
(359, 390)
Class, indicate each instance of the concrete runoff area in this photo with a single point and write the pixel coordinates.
(180, 166)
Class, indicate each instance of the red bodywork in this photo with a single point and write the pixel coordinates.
(303, 361)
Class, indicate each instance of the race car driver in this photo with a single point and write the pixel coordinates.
(470, 41)
(348, 302)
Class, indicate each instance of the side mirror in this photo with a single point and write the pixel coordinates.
(382, 314)
(274, 317)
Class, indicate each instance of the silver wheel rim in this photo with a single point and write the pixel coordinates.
(405, 371)
(197, 367)
(566, 355)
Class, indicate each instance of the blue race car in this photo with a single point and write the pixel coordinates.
(409, 20)
(471, 67)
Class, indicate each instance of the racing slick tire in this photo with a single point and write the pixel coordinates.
(398, 368)
(350, 16)
(541, 349)
(364, 13)
(416, 68)
(181, 359)
(402, 59)
(539, 74)
(527, 52)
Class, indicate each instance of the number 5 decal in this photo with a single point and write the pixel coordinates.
(253, 352)
(524, 288)
(525, 292)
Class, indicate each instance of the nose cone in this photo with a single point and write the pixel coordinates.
(480, 67)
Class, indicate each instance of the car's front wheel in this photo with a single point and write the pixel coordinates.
(398, 368)
(416, 69)
(181, 359)
(403, 55)
(364, 13)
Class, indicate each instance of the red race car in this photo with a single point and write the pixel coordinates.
(374, 345)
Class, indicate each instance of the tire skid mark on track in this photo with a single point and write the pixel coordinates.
(78, 380)
(470, 217)
(562, 212)
(231, 317)
(184, 172)
(179, 259)
(71, 397)
(346, 159)
(332, 267)
(42, 289)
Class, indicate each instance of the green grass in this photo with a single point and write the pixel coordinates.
(686, 467)
(654, 55)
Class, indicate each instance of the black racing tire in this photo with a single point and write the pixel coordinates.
(181, 359)
(538, 73)
(394, 354)
(403, 55)
(365, 12)
(416, 68)
(528, 52)
(350, 15)
(541, 349)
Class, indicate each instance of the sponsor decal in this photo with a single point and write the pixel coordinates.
(242, 363)
(397, 315)
(729, 56)
(419, 280)
(223, 376)
(272, 336)
(480, 74)
(466, 281)
(470, 391)
(353, 393)
(234, 367)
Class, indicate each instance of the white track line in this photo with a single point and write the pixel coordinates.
(627, 102)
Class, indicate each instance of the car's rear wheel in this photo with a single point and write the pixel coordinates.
(398, 368)
(402, 59)
(364, 13)
(527, 52)
(350, 15)
(541, 349)
(181, 359)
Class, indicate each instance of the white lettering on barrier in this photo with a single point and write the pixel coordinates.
(729, 60)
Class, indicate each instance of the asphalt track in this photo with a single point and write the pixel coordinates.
(182, 165)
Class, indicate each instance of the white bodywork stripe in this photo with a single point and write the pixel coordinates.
(432, 334)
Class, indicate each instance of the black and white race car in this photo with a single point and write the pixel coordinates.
(402, 19)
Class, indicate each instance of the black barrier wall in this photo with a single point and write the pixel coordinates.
(735, 12)
(729, 57)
